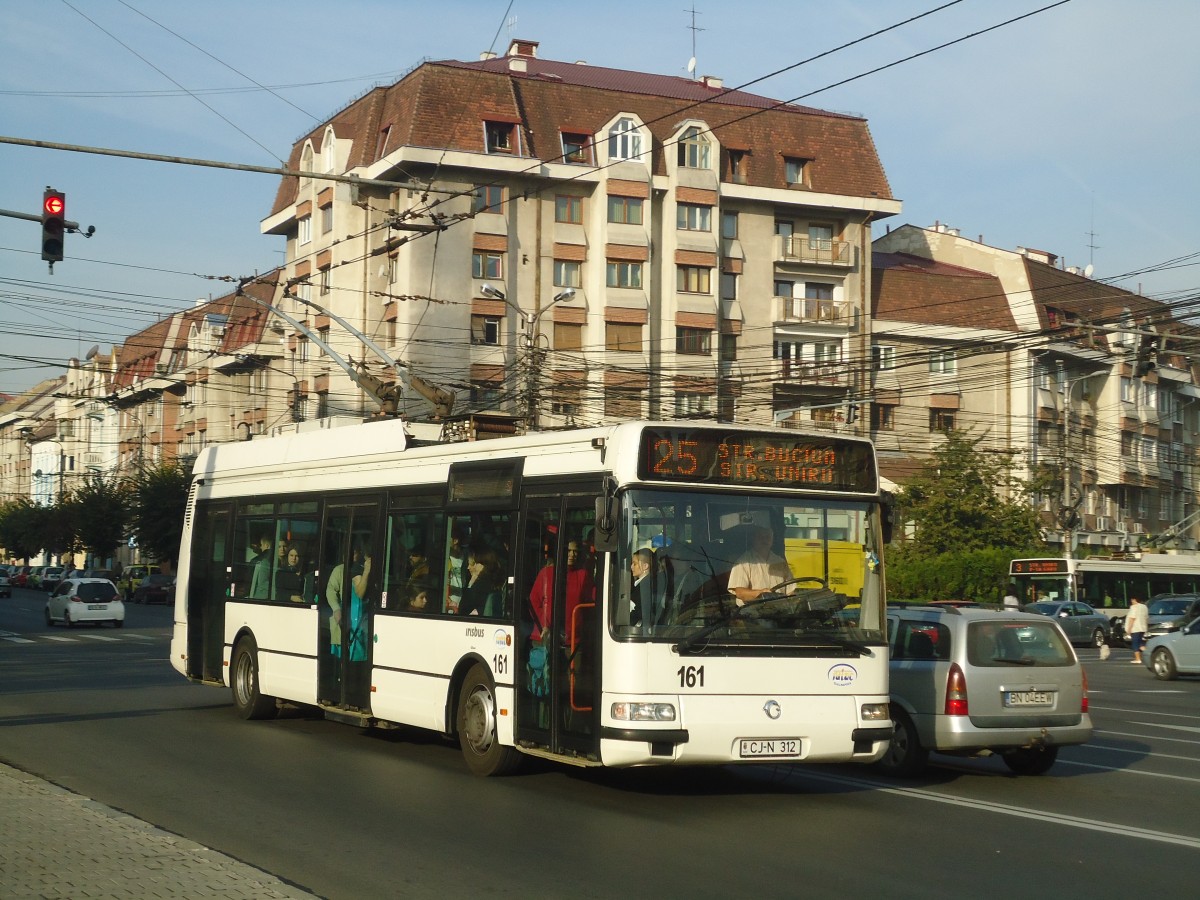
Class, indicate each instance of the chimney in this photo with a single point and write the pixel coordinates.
(518, 64)
(487, 54)
(712, 81)
(519, 47)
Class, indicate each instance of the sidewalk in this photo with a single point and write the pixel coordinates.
(57, 844)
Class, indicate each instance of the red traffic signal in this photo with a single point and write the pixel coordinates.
(54, 224)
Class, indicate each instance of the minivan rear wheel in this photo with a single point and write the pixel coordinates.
(1030, 760)
(904, 757)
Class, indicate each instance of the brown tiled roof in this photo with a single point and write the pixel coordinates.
(909, 288)
(444, 105)
(1081, 297)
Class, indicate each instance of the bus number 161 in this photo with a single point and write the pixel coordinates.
(691, 676)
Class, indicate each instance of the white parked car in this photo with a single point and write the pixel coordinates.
(78, 600)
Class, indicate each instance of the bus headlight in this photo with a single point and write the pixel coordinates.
(875, 712)
(643, 712)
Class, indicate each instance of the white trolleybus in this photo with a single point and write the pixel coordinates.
(639, 594)
(1106, 583)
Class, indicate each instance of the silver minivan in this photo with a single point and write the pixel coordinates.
(977, 682)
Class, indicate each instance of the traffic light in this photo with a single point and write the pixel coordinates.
(54, 224)
(1147, 356)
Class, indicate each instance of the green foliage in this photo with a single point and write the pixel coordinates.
(101, 513)
(970, 516)
(20, 526)
(158, 501)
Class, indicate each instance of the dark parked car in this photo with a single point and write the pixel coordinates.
(1079, 622)
(1166, 613)
(155, 588)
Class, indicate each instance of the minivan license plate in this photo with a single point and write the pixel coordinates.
(767, 748)
(1028, 698)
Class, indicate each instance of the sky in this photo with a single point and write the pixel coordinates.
(1073, 130)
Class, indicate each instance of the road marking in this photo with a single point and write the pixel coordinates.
(17, 640)
(99, 637)
(1168, 725)
(55, 637)
(1142, 753)
(1162, 837)
(1157, 737)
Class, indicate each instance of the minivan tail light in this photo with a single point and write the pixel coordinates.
(1083, 704)
(956, 692)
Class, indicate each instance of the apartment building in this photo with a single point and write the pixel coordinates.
(1091, 386)
(572, 244)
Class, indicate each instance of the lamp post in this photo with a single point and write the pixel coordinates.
(529, 323)
(1068, 513)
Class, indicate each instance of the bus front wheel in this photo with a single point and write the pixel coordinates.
(476, 724)
(248, 701)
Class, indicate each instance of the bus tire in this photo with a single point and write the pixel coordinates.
(904, 757)
(248, 702)
(475, 721)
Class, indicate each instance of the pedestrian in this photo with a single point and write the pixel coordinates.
(1135, 626)
(1010, 601)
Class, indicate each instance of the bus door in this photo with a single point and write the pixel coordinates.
(348, 591)
(558, 626)
(207, 590)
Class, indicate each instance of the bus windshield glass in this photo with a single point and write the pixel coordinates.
(700, 569)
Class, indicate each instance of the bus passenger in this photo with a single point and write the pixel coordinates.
(260, 572)
(483, 592)
(759, 569)
(419, 601)
(290, 581)
(580, 589)
(360, 573)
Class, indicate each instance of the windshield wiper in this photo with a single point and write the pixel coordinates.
(1023, 661)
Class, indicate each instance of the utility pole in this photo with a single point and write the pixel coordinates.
(530, 335)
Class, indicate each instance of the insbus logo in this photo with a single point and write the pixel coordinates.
(843, 675)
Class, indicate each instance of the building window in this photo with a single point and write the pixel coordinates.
(729, 225)
(737, 166)
(487, 198)
(568, 336)
(793, 169)
(327, 219)
(941, 420)
(625, 210)
(693, 341)
(1127, 445)
(943, 362)
(624, 275)
(485, 264)
(304, 230)
(820, 238)
(622, 403)
(729, 286)
(883, 417)
(576, 148)
(322, 404)
(393, 269)
(785, 288)
(324, 282)
(691, 217)
(727, 344)
(623, 336)
(695, 152)
(568, 209)
(567, 273)
(693, 279)
(302, 349)
(304, 290)
(1149, 395)
(883, 358)
(500, 138)
(1126, 390)
(624, 140)
(485, 330)
(565, 399)
(485, 394)
(693, 404)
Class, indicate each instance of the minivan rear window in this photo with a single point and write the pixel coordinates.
(1017, 644)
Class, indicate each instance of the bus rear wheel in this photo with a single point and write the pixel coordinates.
(248, 701)
(475, 720)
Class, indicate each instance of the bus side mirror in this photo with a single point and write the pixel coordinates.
(888, 515)
(604, 538)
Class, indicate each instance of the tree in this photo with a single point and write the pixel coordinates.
(158, 498)
(21, 528)
(101, 510)
(970, 516)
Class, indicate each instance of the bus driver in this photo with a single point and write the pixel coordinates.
(759, 569)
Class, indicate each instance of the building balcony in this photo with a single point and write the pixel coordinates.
(800, 249)
(797, 372)
(824, 312)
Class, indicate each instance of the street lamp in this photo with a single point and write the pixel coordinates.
(529, 322)
(1068, 512)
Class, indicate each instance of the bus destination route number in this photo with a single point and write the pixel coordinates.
(759, 459)
(1039, 566)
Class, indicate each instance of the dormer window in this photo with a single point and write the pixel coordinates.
(695, 151)
(624, 140)
(577, 148)
(793, 169)
(500, 137)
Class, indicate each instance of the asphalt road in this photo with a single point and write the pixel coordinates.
(351, 813)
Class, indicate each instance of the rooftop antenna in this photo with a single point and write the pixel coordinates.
(511, 25)
(1092, 245)
(691, 66)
